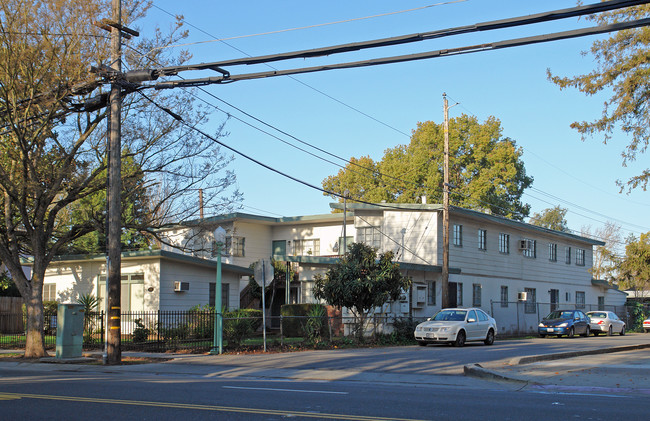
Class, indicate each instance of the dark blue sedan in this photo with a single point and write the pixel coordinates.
(564, 322)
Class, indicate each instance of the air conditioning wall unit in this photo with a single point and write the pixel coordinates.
(181, 286)
(522, 296)
(524, 244)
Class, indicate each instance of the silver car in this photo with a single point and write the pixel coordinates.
(605, 322)
(456, 326)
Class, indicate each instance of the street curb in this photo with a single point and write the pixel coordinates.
(476, 370)
(562, 355)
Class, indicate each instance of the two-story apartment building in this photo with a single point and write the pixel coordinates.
(515, 271)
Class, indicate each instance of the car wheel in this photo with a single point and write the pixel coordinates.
(623, 331)
(422, 343)
(609, 331)
(460, 339)
(571, 332)
(587, 332)
(489, 339)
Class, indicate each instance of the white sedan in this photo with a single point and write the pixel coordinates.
(456, 326)
(646, 325)
(605, 322)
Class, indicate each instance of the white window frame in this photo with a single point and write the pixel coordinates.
(458, 235)
(504, 243)
(552, 252)
(482, 239)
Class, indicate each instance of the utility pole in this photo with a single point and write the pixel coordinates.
(445, 209)
(114, 260)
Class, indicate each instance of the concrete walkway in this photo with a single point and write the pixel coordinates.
(614, 370)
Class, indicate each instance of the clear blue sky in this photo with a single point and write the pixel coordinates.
(327, 109)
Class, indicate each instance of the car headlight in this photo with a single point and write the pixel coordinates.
(445, 329)
(541, 325)
(565, 324)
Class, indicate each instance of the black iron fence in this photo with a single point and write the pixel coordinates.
(193, 331)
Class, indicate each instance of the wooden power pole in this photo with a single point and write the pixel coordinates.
(114, 259)
(445, 209)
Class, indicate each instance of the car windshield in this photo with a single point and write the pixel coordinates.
(597, 315)
(560, 315)
(450, 315)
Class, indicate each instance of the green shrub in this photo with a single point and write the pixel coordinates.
(140, 333)
(315, 323)
(636, 317)
(240, 323)
(294, 316)
(403, 329)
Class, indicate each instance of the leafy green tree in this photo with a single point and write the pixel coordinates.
(53, 147)
(551, 218)
(486, 170)
(621, 70)
(634, 268)
(361, 281)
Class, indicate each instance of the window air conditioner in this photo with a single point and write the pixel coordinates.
(180, 286)
(524, 244)
(522, 296)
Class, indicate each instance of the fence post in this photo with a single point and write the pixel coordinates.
(281, 332)
(329, 326)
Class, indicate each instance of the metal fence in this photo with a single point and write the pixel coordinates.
(518, 318)
(193, 331)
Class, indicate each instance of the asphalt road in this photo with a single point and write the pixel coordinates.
(357, 384)
(128, 395)
(429, 360)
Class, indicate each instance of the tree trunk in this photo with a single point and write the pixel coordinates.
(35, 339)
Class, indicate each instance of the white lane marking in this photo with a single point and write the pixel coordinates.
(285, 390)
(578, 394)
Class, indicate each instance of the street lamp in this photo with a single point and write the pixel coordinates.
(217, 347)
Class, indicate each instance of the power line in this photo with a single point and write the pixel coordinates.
(294, 78)
(302, 27)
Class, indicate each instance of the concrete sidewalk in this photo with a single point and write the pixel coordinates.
(618, 369)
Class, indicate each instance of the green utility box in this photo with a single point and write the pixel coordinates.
(69, 330)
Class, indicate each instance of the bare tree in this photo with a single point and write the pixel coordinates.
(53, 147)
(605, 257)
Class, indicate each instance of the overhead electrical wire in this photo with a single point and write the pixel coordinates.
(215, 39)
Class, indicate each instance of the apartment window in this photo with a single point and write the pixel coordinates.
(309, 247)
(504, 243)
(580, 299)
(235, 246)
(482, 239)
(531, 249)
(530, 306)
(370, 236)
(567, 255)
(552, 252)
(49, 292)
(344, 245)
(458, 235)
(580, 257)
(225, 295)
(476, 295)
(431, 294)
(132, 292)
(504, 296)
(601, 303)
(568, 297)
